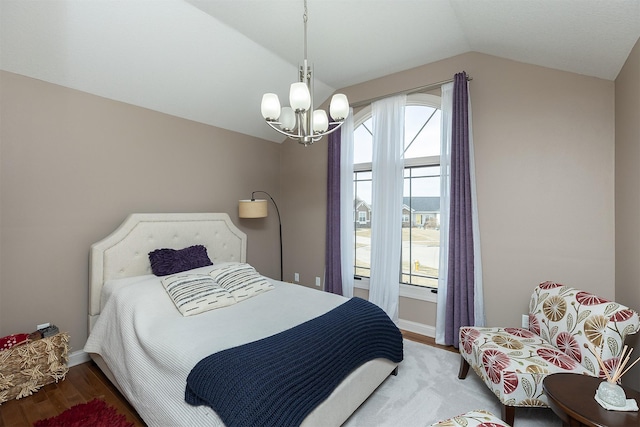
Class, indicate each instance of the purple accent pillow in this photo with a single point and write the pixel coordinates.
(170, 261)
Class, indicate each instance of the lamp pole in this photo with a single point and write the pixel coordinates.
(279, 225)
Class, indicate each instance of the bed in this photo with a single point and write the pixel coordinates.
(147, 348)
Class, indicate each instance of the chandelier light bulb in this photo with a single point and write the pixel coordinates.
(287, 119)
(270, 106)
(299, 97)
(339, 108)
(320, 121)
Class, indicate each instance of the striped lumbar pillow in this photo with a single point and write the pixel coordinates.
(196, 293)
(241, 280)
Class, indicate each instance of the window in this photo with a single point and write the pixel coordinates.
(421, 199)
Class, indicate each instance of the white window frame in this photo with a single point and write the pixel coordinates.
(406, 291)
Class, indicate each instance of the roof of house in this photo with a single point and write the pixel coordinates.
(422, 204)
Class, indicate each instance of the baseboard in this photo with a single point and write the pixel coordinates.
(78, 357)
(418, 328)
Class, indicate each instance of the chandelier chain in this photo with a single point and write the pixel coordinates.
(304, 19)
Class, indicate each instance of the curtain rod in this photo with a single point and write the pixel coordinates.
(425, 88)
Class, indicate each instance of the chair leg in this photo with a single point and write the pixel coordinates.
(508, 414)
(464, 368)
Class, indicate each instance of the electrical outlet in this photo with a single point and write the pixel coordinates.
(525, 321)
(296, 277)
(42, 326)
(318, 281)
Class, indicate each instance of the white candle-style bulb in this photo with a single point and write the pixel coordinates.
(320, 121)
(339, 108)
(287, 119)
(299, 97)
(270, 106)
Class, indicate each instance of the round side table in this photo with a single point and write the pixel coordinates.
(571, 396)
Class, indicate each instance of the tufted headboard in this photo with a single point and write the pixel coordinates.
(124, 253)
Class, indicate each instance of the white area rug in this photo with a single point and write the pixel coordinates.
(427, 390)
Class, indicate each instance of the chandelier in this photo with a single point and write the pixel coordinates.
(300, 121)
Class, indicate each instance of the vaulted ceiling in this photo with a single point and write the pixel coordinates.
(211, 60)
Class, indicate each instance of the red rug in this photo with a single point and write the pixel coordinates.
(91, 414)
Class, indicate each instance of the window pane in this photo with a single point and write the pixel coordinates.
(363, 143)
(422, 131)
(421, 231)
(362, 226)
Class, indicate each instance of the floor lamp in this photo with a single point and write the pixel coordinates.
(257, 208)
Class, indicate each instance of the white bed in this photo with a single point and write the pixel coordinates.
(147, 348)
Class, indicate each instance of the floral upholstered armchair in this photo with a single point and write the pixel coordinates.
(472, 419)
(565, 326)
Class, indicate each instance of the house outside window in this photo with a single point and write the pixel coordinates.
(421, 198)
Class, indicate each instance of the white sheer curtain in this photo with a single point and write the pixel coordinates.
(445, 191)
(346, 205)
(386, 220)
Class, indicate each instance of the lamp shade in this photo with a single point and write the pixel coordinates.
(287, 118)
(299, 97)
(270, 106)
(339, 107)
(320, 121)
(256, 208)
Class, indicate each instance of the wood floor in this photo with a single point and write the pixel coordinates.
(85, 382)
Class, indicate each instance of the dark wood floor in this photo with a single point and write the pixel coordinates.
(85, 382)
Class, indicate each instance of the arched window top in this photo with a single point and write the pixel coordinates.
(422, 129)
(424, 99)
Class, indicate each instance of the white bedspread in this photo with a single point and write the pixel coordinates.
(151, 348)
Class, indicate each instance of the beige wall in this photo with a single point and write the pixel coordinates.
(628, 194)
(73, 166)
(544, 143)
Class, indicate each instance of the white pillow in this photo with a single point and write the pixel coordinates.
(240, 279)
(196, 293)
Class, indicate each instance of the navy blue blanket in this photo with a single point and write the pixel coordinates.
(279, 380)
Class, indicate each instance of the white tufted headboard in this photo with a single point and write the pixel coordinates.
(124, 253)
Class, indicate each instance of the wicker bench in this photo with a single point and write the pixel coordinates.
(24, 369)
